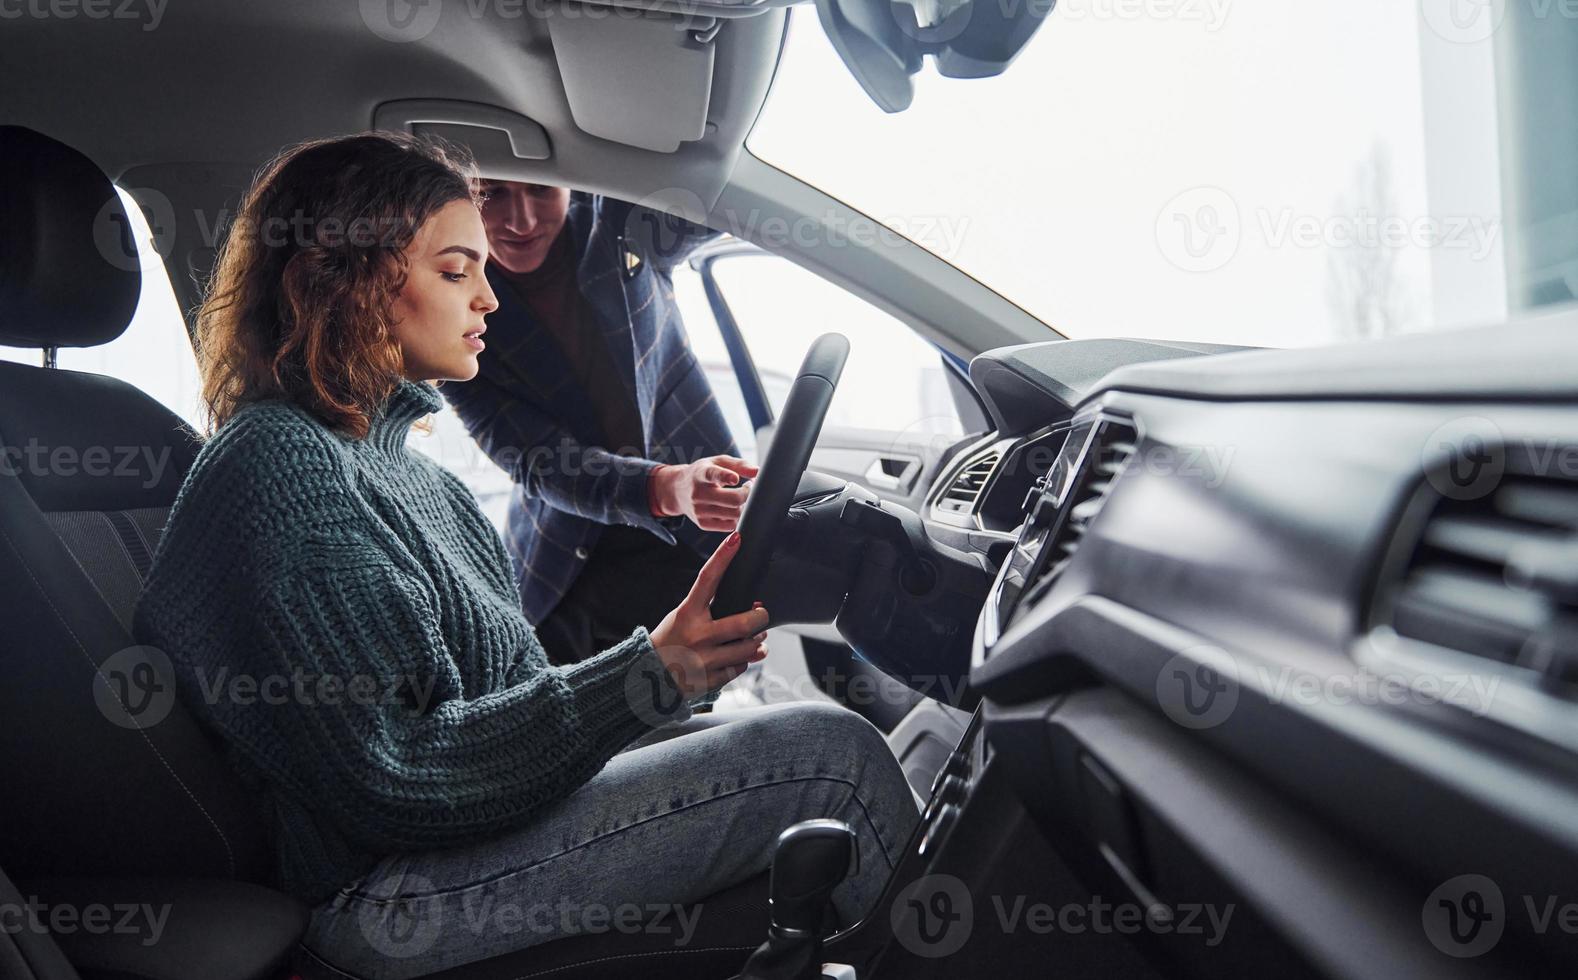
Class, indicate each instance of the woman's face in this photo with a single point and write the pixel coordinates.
(438, 314)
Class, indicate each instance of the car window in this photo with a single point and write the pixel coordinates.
(154, 353)
(893, 382)
(706, 341)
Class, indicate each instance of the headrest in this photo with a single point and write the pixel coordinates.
(69, 275)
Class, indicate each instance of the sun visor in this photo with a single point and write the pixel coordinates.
(640, 78)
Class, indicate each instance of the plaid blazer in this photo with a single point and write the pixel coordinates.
(529, 415)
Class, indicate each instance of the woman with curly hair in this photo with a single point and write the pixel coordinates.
(344, 617)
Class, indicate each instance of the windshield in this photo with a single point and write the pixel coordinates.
(1273, 174)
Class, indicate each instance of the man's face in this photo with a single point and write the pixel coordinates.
(522, 221)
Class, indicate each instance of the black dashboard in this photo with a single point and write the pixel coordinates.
(1337, 589)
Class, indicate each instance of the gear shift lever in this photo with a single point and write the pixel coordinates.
(812, 858)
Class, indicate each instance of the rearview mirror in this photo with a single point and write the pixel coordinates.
(884, 42)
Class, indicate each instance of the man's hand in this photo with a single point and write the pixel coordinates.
(703, 654)
(706, 491)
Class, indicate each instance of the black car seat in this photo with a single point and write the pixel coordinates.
(113, 793)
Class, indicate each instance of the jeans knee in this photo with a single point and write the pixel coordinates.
(824, 718)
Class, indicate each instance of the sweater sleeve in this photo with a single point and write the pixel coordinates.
(377, 732)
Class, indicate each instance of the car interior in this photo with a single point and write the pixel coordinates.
(1203, 658)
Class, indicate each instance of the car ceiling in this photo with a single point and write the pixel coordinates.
(232, 82)
(189, 110)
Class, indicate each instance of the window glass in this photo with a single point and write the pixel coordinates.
(1278, 174)
(893, 382)
(706, 341)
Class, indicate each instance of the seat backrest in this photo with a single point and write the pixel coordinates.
(104, 772)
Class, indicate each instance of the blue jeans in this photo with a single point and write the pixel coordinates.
(680, 814)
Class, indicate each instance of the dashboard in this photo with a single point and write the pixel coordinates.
(1368, 553)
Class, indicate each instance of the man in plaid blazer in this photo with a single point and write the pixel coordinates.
(589, 395)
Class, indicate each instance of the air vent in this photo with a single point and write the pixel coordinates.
(1497, 578)
(965, 490)
(1108, 451)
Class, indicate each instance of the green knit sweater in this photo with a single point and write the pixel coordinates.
(344, 616)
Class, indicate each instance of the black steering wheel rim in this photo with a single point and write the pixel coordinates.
(772, 491)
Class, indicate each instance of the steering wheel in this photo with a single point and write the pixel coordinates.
(774, 487)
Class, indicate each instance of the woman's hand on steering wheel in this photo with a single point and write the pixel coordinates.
(701, 653)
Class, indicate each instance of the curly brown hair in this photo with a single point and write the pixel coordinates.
(300, 302)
